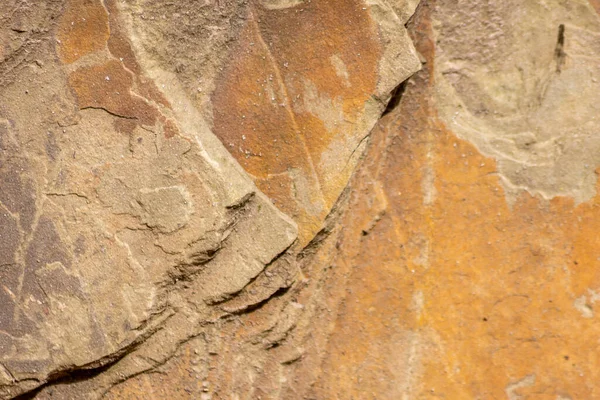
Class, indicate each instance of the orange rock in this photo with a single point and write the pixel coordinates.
(297, 98)
(452, 293)
(83, 29)
(445, 270)
(109, 86)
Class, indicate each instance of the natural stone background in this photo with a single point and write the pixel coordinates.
(299, 199)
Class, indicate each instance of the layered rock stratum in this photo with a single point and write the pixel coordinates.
(299, 199)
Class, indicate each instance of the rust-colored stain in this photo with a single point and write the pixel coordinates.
(453, 293)
(108, 86)
(281, 67)
(120, 47)
(83, 29)
(117, 84)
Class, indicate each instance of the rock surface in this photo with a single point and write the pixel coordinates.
(203, 200)
(112, 205)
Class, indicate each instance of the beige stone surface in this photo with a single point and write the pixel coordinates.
(110, 206)
(129, 223)
(203, 200)
(512, 78)
(292, 89)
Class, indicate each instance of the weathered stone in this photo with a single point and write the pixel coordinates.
(108, 206)
(512, 84)
(439, 278)
(147, 148)
(291, 88)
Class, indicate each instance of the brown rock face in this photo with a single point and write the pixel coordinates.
(110, 207)
(291, 88)
(202, 200)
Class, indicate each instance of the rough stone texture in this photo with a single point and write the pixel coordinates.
(127, 227)
(449, 252)
(511, 78)
(292, 88)
(437, 279)
(119, 217)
